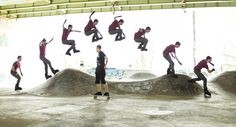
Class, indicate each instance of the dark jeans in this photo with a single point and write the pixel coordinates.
(47, 63)
(17, 76)
(100, 75)
(70, 42)
(94, 32)
(200, 76)
(171, 66)
(143, 42)
(119, 33)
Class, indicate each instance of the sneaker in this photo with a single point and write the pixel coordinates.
(55, 71)
(48, 76)
(143, 49)
(67, 53)
(140, 47)
(75, 51)
(98, 94)
(206, 92)
(106, 94)
(18, 88)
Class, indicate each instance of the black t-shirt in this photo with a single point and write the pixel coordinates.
(101, 59)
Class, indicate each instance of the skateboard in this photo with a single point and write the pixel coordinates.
(95, 97)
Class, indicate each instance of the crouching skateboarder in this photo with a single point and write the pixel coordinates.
(100, 74)
(200, 76)
(14, 72)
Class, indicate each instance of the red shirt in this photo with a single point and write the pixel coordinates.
(89, 26)
(169, 49)
(65, 34)
(200, 65)
(139, 34)
(42, 49)
(16, 65)
(114, 25)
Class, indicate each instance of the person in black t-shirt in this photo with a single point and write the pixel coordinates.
(102, 61)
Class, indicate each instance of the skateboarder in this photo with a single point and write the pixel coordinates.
(166, 54)
(142, 40)
(65, 35)
(90, 28)
(46, 62)
(114, 28)
(102, 61)
(14, 72)
(200, 76)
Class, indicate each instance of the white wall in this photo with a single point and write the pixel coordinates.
(215, 28)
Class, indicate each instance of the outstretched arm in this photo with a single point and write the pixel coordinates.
(64, 23)
(76, 31)
(177, 58)
(50, 41)
(90, 17)
(117, 17)
(210, 71)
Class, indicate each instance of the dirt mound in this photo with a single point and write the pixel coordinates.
(227, 81)
(165, 85)
(71, 82)
(142, 75)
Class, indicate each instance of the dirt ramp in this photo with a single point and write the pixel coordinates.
(142, 75)
(69, 82)
(165, 85)
(227, 81)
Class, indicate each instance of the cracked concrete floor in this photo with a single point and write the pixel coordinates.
(120, 111)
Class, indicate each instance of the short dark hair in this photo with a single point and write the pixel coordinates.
(99, 46)
(70, 25)
(95, 20)
(177, 43)
(208, 57)
(148, 28)
(44, 39)
(121, 20)
(18, 57)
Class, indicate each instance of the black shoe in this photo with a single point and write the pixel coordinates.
(75, 51)
(168, 71)
(106, 94)
(98, 94)
(144, 49)
(18, 88)
(207, 93)
(67, 53)
(140, 47)
(55, 71)
(48, 76)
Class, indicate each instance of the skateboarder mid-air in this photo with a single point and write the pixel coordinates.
(200, 76)
(166, 54)
(140, 38)
(90, 28)
(114, 28)
(14, 72)
(65, 34)
(102, 61)
(46, 62)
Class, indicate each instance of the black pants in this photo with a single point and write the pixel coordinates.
(200, 76)
(171, 63)
(94, 32)
(143, 42)
(119, 33)
(100, 75)
(47, 63)
(70, 42)
(17, 76)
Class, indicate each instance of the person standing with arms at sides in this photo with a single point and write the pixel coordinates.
(140, 38)
(15, 74)
(197, 70)
(90, 29)
(166, 54)
(65, 34)
(102, 61)
(114, 28)
(46, 62)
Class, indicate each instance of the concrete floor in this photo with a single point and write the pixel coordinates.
(120, 111)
